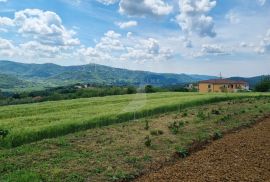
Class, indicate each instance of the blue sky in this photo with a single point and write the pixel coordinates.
(178, 36)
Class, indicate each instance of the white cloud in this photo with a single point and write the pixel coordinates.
(265, 44)
(193, 17)
(35, 49)
(113, 47)
(213, 49)
(5, 44)
(233, 17)
(127, 24)
(7, 49)
(45, 34)
(3, 1)
(108, 2)
(4, 21)
(129, 34)
(145, 7)
(45, 27)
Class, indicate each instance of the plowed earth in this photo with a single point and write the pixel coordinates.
(239, 156)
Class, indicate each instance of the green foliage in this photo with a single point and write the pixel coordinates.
(132, 160)
(182, 152)
(215, 111)
(201, 115)
(149, 89)
(146, 127)
(147, 141)
(131, 90)
(217, 135)
(156, 132)
(119, 175)
(3, 133)
(184, 114)
(264, 85)
(23, 176)
(175, 126)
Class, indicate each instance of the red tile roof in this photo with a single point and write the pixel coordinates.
(223, 81)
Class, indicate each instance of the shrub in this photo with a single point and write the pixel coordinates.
(3, 133)
(217, 135)
(264, 85)
(201, 115)
(184, 114)
(156, 132)
(147, 141)
(175, 126)
(182, 152)
(146, 127)
(149, 89)
(215, 111)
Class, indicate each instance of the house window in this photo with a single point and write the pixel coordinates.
(209, 86)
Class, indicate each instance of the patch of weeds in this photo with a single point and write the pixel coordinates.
(3, 133)
(75, 177)
(98, 170)
(175, 126)
(261, 111)
(119, 175)
(182, 152)
(24, 176)
(147, 158)
(132, 160)
(215, 111)
(61, 142)
(256, 106)
(217, 135)
(147, 141)
(184, 114)
(225, 118)
(243, 111)
(156, 132)
(201, 115)
(146, 127)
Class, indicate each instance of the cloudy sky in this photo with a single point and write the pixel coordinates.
(178, 36)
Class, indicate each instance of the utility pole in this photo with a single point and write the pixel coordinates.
(220, 75)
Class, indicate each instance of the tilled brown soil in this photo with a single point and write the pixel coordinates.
(239, 156)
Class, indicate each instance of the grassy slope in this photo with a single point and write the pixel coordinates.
(32, 122)
(118, 151)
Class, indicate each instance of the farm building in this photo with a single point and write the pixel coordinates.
(222, 85)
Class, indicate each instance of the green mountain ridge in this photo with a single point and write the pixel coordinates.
(51, 75)
(55, 75)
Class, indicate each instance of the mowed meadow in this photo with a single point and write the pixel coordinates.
(33, 122)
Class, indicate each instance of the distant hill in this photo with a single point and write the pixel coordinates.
(55, 75)
(9, 82)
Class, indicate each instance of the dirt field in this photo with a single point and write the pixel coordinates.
(239, 156)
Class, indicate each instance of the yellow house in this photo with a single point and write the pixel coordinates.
(222, 85)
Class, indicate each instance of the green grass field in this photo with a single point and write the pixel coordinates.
(33, 122)
(118, 151)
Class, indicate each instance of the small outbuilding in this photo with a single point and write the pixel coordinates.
(222, 85)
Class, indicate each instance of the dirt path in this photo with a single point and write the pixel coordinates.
(240, 156)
